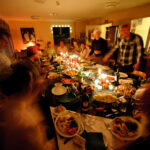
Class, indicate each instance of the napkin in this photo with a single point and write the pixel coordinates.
(94, 141)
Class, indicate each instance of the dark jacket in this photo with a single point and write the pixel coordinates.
(100, 45)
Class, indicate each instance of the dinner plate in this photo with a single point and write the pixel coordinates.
(122, 75)
(138, 132)
(125, 81)
(59, 90)
(52, 75)
(60, 125)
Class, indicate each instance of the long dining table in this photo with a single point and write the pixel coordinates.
(66, 73)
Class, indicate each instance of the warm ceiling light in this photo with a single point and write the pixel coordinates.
(52, 14)
(35, 17)
(111, 3)
(40, 1)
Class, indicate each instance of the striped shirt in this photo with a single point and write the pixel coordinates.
(130, 51)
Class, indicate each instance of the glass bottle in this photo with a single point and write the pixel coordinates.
(85, 103)
(117, 76)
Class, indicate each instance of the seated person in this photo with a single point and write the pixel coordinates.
(88, 50)
(142, 94)
(83, 51)
(62, 48)
(22, 124)
(50, 51)
(76, 48)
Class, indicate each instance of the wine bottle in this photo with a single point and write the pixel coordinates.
(85, 103)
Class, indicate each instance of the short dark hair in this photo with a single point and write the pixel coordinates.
(17, 79)
(3, 32)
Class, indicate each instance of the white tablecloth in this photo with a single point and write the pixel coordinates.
(93, 124)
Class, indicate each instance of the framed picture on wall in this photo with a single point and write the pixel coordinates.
(28, 35)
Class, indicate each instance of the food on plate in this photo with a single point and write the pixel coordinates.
(59, 109)
(52, 75)
(67, 124)
(62, 67)
(92, 78)
(59, 90)
(125, 81)
(110, 78)
(71, 72)
(106, 98)
(85, 64)
(125, 90)
(67, 81)
(104, 85)
(125, 127)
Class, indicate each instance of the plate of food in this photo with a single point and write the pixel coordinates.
(126, 128)
(71, 72)
(125, 90)
(59, 109)
(105, 98)
(59, 90)
(122, 74)
(67, 124)
(125, 81)
(63, 67)
(52, 75)
(67, 81)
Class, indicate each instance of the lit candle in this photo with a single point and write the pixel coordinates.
(103, 76)
(99, 87)
(111, 87)
(107, 81)
(99, 71)
(96, 82)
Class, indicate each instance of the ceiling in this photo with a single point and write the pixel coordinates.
(63, 9)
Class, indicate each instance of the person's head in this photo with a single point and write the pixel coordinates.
(18, 79)
(4, 35)
(82, 46)
(37, 46)
(32, 53)
(61, 43)
(49, 44)
(75, 43)
(96, 34)
(142, 94)
(125, 31)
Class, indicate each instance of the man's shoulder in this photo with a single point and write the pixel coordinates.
(102, 39)
(134, 36)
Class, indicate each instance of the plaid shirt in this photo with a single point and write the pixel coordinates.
(130, 51)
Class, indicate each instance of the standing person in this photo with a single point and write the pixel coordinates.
(99, 47)
(130, 47)
(62, 48)
(50, 50)
(4, 60)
